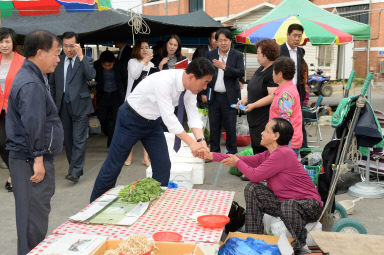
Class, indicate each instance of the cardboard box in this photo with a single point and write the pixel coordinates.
(282, 242)
(340, 243)
(163, 248)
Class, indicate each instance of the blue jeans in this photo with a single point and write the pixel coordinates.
(129, 130)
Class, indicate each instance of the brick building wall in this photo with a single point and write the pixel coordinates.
(224, 8)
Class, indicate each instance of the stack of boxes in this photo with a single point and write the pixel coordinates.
(186, 170)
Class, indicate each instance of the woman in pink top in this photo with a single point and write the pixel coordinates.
(289, 193)
(286, 99)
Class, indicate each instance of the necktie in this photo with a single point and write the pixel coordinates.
(180, 116)
(67, 78)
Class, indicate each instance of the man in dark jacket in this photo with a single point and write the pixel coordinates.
(202, 51)
(110, 91)
(69, 89)
(291, 49)
(224, 90)
(34, 136)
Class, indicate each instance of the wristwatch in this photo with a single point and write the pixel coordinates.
(201, 139)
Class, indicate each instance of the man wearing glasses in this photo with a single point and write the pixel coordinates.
(70, 92)
(224, 90)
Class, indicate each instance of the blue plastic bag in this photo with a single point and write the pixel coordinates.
(249, 246)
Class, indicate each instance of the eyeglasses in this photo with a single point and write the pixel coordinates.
(68, 46)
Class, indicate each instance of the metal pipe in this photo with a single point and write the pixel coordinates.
(369, 41)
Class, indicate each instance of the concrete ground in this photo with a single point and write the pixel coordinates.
(70, 198)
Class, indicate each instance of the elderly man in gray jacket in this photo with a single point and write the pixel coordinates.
(34, 137)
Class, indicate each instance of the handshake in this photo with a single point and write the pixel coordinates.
(200, 150)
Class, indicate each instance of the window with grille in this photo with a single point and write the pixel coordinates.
(325, 55)
(357, 13)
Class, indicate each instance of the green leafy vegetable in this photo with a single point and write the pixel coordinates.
(141, 191)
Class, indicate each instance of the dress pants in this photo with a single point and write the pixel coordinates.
(75, 137)
(221, 114)
(3, 152)
(129, 129)
(107, 112)
(32, 202)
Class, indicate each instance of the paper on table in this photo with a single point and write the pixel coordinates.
(98, 205)
(133, 215)
(74, 244)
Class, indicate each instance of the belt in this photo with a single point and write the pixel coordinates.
(220, 93)
(135, 113)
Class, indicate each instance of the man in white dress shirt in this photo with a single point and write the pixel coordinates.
(139, 118)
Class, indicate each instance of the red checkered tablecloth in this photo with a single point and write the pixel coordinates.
(172, 212)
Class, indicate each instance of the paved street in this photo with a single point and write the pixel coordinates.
(70, 198)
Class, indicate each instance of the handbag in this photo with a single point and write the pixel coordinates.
(237, 218)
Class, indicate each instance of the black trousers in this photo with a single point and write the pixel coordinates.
(108, 106)
(3, 152)
(221, 114)
(255, 133)
(32, 202)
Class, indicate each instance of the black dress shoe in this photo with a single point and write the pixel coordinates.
(71, 178)
(8, 186)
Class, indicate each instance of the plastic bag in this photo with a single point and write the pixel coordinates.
(242, 127)
(249, 246)
(233, 170)
(276, 227)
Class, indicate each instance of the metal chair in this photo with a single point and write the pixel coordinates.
(311, 115)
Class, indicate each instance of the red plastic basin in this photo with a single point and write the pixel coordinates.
(213, 220)
(167, 237)
(241, 140)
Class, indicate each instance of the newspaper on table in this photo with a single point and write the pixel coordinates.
(74, 244)
(108, 209)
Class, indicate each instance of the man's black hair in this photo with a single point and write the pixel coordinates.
(225, 32)
(284, 128)
(295, 27)
(107, 56)
(200, 67)
(38, 40)
(69, 35)
(8, 32)
(286, 66)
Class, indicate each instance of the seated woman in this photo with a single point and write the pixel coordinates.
(289, 193)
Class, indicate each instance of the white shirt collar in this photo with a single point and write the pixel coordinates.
(289, 47)
(67, 59)
(226, 55)
(180, 85)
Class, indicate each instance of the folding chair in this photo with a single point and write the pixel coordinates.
(311, 115)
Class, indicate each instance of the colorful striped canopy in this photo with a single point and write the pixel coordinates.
(314, 31)
(46, 7)
(320, 26)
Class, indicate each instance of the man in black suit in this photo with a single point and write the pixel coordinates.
(110, 91)
(290, 49)
(70, 92)
(224, 90)
(125, 52)
(202, 51)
